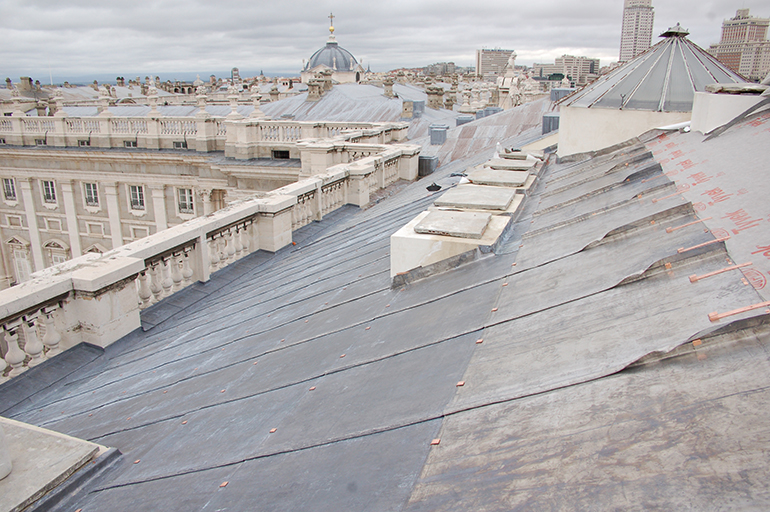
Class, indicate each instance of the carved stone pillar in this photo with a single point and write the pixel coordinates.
(34, 232)
(206, 198)
(72, 220)
(159, 206)
(113, 211)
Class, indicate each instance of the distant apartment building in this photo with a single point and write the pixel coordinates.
(579, 70)
(636, 34)
(491, 62)
(440, 68)
(744, 47)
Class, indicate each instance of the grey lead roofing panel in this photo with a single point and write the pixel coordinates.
(681, 434)
(589, 295)
(680, 90)
(645, 91)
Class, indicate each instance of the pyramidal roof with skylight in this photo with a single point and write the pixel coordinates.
(663, 79)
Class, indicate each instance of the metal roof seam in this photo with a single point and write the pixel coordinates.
(664, 92)
(688, 68)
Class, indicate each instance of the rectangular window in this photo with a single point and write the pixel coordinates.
(186, 201)
(137, 197)
(40, 142)
(57, 258)
(2, 140)
(49, 192)
(84, 142)
(92, 194)
(9, 189)
(280, 154)
(21, 262)
(129, 143)
(180, 145)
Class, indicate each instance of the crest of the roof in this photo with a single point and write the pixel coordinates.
(663, 79)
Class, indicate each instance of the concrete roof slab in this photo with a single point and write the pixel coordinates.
(41, 460)
(510, 165)
(498, 178)
(477, 197)
(454, 223)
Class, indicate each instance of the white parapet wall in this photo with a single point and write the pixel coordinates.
(239, 138)
(98, 298)
(710, 110)
(590, 129)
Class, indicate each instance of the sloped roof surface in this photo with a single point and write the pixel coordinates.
(664, 78)
(592, 375)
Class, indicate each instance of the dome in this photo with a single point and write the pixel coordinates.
(664, 78)
(334, 57)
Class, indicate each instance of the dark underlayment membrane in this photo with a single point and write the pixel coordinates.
(575, 368)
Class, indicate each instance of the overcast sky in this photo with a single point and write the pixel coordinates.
(69, 38)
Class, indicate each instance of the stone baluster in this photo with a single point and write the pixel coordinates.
(325, 203)
(32, 345)
(303, 212)
(245, 239)
(187, 271)
(238, 244)
(52, 337)
(176, 272)
(230, 247)
(213, 255)
(222, 250)
(167, 283)
(145, 294)
(155, 284)
(15, 356)
(3, 366)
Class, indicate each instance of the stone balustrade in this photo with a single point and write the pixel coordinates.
(98, 298)
(238, 138)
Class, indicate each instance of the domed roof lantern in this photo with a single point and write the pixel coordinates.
(675, 31)
(333, 56)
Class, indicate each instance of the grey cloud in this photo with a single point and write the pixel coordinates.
(79, 37)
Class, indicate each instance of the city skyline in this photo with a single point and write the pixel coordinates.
(84, 38)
